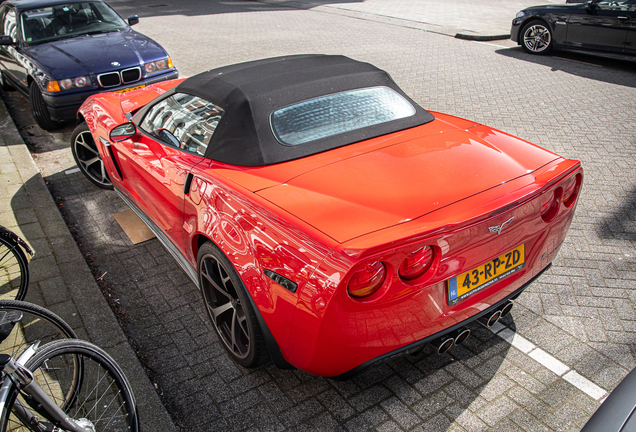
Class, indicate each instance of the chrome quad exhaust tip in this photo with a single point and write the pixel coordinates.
(460, 335)
(505, 310)
(490, 320)
(443, 344)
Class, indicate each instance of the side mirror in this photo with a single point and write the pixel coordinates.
(132, 20)
(123, 132)
(167, 136)
(6, 40)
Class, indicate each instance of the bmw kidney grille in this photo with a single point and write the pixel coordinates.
(126, 76)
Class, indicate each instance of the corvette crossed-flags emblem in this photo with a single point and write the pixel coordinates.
(498, 228)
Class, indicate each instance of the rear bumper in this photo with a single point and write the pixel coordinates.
(64, 107)
(416, 346)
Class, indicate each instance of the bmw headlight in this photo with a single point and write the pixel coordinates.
(69, 83)
(157, 66)
(520, 14)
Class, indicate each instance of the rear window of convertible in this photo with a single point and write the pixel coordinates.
(338, 113)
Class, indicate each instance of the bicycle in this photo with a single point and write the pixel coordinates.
(14, 266)
(67, 384)
(25, 323)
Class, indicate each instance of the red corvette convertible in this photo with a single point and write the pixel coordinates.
(329, 221)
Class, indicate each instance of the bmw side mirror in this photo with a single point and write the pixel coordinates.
(6, 40)
(132, 20)
(123, 132)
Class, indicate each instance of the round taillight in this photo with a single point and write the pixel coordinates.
(416, 264)
(550, 207)
(571, 190)
(367, 280)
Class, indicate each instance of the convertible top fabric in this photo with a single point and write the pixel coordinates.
(250, 92)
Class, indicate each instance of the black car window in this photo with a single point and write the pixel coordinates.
(69, 20)
(617, 5)
(184, 121)
(9, 24)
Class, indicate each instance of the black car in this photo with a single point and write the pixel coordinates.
(618, 411)
(606, 28)
(59, 52)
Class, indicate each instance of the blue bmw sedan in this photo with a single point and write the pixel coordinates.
(59, 52)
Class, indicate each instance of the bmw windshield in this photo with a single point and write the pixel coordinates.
(69, 20)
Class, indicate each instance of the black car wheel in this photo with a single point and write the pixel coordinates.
(87, 157)
(536, 37)
(229, 308)
(39, 110)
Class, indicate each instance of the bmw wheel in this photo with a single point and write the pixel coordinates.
(536, 37)
(39, 110)
(229, 308)
(87, 157)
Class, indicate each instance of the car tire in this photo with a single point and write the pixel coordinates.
(39, 110)
(87, 157)
(4, 83)
(536, 37)
(229, 308)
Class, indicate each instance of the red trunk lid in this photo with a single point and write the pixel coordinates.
(404, 180)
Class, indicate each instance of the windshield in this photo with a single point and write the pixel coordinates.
(69, 20)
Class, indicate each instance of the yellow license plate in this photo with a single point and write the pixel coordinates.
(493, 271)
(130, 89)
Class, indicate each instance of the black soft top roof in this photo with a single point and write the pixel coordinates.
(250, 92)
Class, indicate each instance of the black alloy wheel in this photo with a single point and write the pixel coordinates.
(87, 157)
(229, 308)
(536, 37)
(39, 110)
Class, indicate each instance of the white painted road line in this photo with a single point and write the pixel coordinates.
(584, 384)
(519, 342)
(548, 361)
(71, 171)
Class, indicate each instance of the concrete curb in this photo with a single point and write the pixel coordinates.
(59, 266)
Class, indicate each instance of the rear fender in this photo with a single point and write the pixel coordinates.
(253, 241)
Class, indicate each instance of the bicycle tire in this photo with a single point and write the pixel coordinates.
(14, 270)
(103, 381)
(37, 323)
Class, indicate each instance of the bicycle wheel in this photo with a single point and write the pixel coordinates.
(36, 324)
(104, 397)
(14, 270)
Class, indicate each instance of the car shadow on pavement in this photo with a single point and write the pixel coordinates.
(162, 314)
(620, 222)
(586, 66)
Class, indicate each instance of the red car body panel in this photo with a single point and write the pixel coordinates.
(318, 219)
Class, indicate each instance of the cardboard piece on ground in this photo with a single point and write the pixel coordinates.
(135, 229)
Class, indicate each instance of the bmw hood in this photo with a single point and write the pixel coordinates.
(401, 182)
(96, 53)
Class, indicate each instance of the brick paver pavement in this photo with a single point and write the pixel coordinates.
(569, 339)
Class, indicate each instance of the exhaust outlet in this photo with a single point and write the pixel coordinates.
(506, 309)
(460, 335)
(443, 344)
(490, 320)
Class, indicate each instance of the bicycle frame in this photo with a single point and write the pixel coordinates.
(15, 374)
